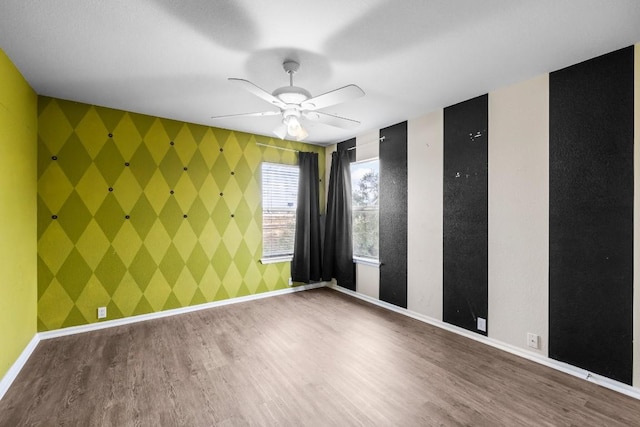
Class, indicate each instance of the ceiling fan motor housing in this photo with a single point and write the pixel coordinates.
(290, 112)
(292, 94)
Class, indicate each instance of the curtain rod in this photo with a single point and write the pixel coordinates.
(381, 139)
(277, 148)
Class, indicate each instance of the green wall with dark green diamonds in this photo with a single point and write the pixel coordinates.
(142, 214)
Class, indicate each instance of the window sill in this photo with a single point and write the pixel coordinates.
(367, 261)
(274, 260)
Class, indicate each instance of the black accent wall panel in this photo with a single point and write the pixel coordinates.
(591, 215)
(393, 214)
(465, 291)
(349, 144)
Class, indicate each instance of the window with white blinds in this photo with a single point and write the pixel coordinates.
(279, 200)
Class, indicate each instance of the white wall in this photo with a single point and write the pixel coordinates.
(425, 169)
(519, 213)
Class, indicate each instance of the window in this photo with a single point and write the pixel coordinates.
(364, 188)
(279, 200)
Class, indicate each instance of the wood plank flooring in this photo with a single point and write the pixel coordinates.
(312, 358)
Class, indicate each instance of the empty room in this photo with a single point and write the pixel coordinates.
(336, 213)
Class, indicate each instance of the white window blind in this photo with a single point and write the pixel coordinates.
(279, 200)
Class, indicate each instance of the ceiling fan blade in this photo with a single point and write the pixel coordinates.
(331, 120)
(259, 92)
(334, 97)
(261, 114)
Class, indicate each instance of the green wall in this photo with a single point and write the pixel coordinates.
(18, 123)
(142, 214)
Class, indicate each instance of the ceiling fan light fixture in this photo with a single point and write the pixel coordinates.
(291, 120)
(293, 126)
(302, 134)
(295, 129)
(281, 131)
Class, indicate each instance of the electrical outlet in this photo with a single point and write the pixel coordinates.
(533, 340)
(290, 281)
(482, 324)
(102, 312)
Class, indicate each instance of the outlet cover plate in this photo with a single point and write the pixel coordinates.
(533, 340)
(482, 324)
(102, 312)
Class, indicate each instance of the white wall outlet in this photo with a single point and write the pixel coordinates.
(482, 324)
(102, 312)
(290, 281)
(533, 340)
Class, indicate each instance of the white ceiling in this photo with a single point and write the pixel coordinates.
(171, 58)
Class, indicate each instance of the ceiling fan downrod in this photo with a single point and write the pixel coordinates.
(290, 67)
(291, 95)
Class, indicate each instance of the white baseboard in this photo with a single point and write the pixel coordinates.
(17, 366)
(534, 357)
(13, 372)
(15, 369)
(167, 313)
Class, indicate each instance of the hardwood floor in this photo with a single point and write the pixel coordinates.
(310, 358)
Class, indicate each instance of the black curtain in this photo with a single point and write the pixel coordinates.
(306, 265)
(338, 244)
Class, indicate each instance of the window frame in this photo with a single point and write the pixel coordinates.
(275, 257)
(359, 259)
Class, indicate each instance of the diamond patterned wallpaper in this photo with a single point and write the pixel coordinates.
(142, 214)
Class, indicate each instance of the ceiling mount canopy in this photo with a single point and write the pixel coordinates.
(296, 105)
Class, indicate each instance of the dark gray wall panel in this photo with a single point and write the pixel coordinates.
(393, 214)
(591, 215)
(349, 144)
(465, 292)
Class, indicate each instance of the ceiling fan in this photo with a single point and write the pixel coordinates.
(296, 103)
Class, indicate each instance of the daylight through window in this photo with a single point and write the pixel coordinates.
(364, 190)
(279, 199)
